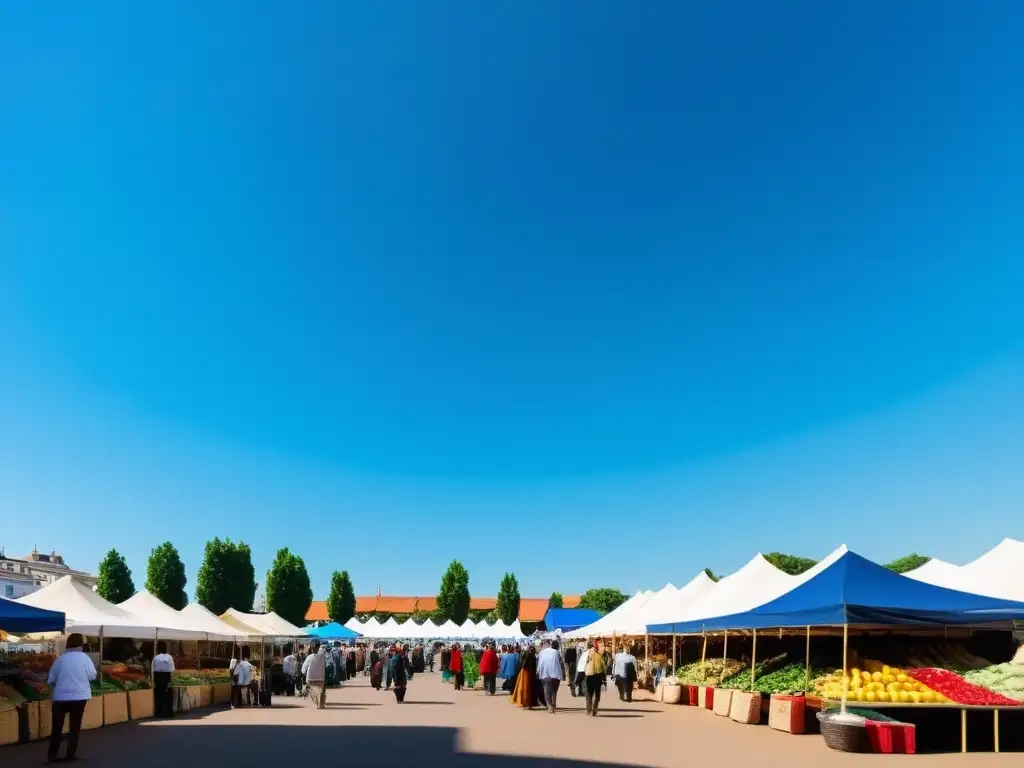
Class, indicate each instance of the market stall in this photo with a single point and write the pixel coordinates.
(332, 631)
(21, 676)
(851, 595)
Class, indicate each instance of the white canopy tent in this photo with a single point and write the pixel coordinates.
(756, 583)
(89, 614)
(355, 625)
(604, 627)
(449, 630)
(174, 625)
(284, 627)
(997, 573)
(663, 608)
(632, 623)
(202, 618)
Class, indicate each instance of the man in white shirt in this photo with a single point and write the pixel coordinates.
(242, 676)
(581, 666)
(624, 672)
(315, 670)
(163, 666)
(69, 677)
(549, 671)
(288, 668)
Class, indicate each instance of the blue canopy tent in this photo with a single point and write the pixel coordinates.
(19, 618)
(854, 590)
(568, 619)
(332, 631)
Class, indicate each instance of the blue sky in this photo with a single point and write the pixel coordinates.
(545, 287)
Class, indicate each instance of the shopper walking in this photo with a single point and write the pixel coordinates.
(624, 672)
(597, 670)
(163, 666)
(69, 678)
(570, 668)
(455, 666)
(489, 669)
(582, 657)
(315, 670)
(549, 670)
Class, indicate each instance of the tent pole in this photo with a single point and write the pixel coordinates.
(725, 653)
(647, 644)
(807, 662)
(703, 654)
(152, 674)
(673, 653)
(753, 659)
(103, 699)
(846, 642)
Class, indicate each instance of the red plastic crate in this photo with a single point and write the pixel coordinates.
(691, 694)
(892, 738)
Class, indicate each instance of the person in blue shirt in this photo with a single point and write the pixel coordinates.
(508, 668)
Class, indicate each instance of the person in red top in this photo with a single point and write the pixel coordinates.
(489, 669)
(455, 665)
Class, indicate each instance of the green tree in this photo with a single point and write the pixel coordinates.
(165, 576)
(289, 593)
(791, 564)
(420, 617)
(226, 578)
(453, 596)
(711, 574)
(115, 578)
(603, 599)
(507, 604)
(907, 563)
(555, 601)
(341, 602)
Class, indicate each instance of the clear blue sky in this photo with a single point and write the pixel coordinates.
(547, 287)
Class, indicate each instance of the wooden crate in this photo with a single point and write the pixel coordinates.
(221, 693)
(140, 704)
(9, 728)
(206, 696)
(115, 708)
(722, 702)
(40, 719)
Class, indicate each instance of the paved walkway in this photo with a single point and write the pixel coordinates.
(439, 727)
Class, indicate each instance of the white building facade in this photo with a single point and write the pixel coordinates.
(21, 576)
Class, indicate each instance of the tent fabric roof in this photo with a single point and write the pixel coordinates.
(203, 618)
(567, 619)
(673, 604)
(997, 573)
(173, 625)
(605, 625)
(853, 590)
(283, 627)
(253, 624)
(88, 613)
(332, 631)
(19, 617)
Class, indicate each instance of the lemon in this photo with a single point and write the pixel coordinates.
(915, 697)
(908, 686)
(940, 699)
(866, 677)
(876, 677)
(901, 678)
(869, 696)
(885, 669)
(858, 695)
(928, 697)
(882, 696)
(903, 697)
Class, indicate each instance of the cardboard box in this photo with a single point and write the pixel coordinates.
(786, 713)
(93, 716)
(9, 728)
(140, 704)
(722, 702)
(221, 693)
(206, 697)
(40, 719)
(115, 708)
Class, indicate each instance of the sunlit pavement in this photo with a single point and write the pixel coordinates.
(438, 727)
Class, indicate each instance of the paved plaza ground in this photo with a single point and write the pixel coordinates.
(439, 727)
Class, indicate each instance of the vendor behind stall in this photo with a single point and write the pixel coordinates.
(163, 666)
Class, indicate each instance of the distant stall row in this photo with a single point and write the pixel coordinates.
(448, 630)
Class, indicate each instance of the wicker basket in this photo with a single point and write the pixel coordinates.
(672, 694)
(844, 737)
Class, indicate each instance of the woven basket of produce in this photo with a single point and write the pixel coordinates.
(844, 736)
(672, 694)
(745, 707)
(722, 702)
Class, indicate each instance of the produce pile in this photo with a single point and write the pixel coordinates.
(951, 686)
(715, 670)
(889, 684)
(1007, 679)
(125, 677)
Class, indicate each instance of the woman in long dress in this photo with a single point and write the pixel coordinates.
(399, 673)
(446, 658)
(526, 693)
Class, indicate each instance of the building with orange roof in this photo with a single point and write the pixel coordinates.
(531, 609)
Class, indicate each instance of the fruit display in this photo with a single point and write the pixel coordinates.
(1007, 679)
(714, 671)
(953, 687)
(888, 685)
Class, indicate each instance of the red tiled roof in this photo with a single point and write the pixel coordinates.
(530, 608)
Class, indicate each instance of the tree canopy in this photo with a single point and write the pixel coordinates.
(791, 564)
(226, 578)
(289, 593)
(711, 574)
(907, 563)
(555, 601)
(507, 607)
(115, 578)
(165, 576)
(453, 596)
(341, 602)
(603, 599)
